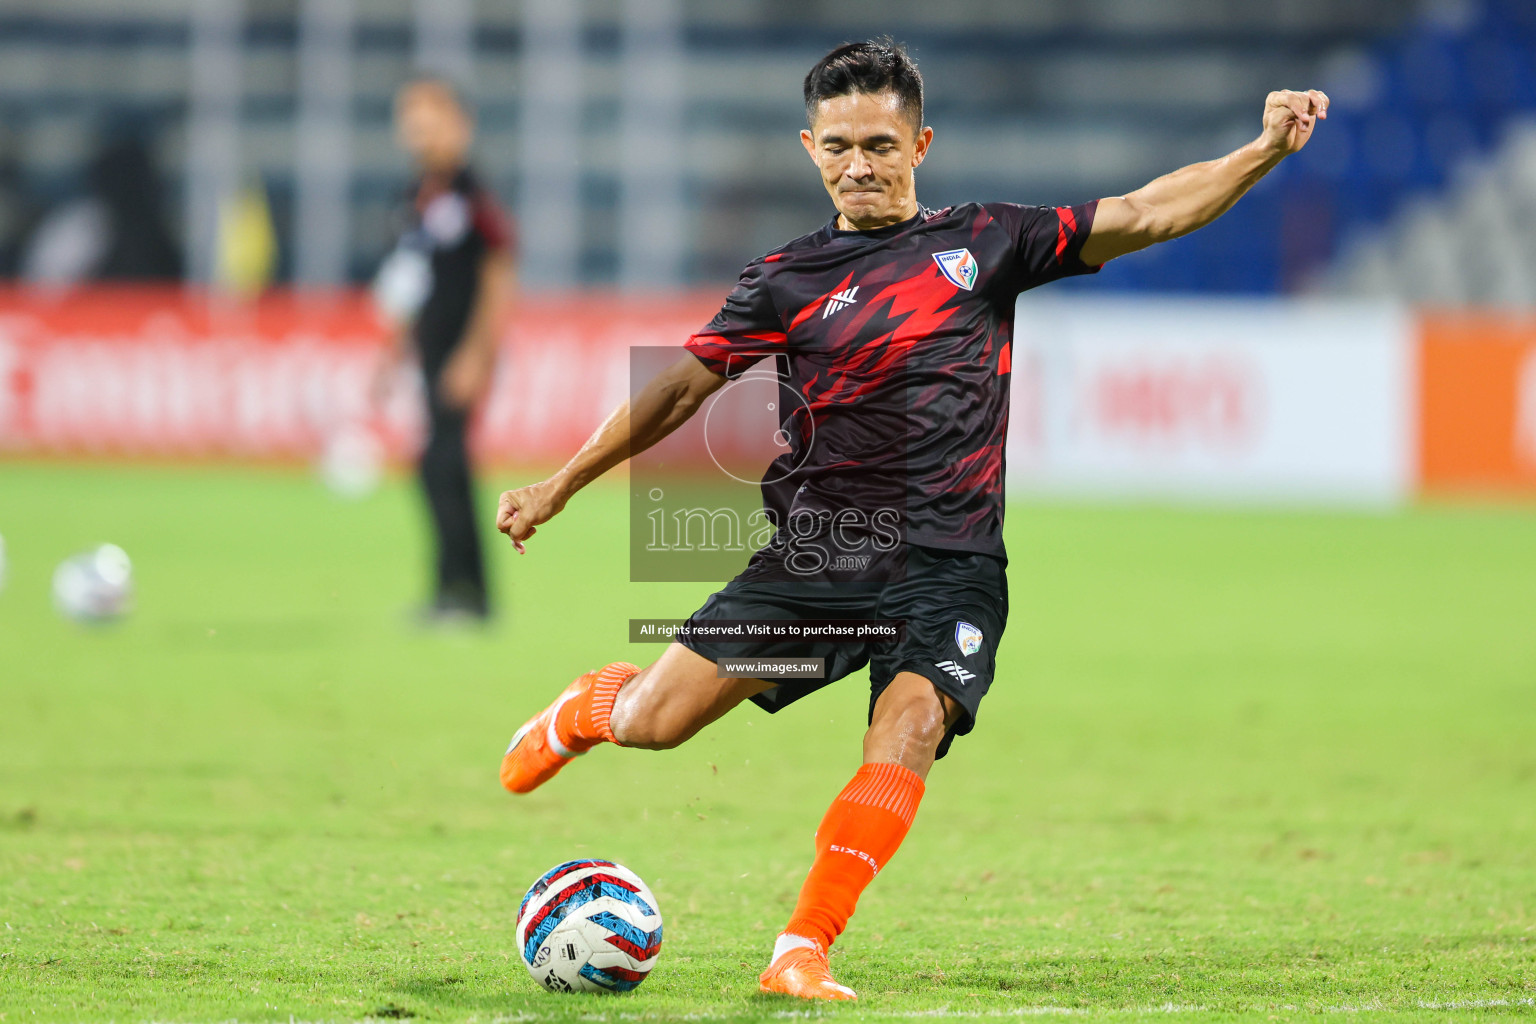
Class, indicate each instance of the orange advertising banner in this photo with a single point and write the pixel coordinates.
(1477, 384)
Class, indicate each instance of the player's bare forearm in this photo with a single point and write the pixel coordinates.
(1193, 196)
(663, 405)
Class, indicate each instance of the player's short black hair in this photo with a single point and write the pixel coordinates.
(873, 66)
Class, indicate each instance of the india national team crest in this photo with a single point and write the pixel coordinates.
(968, 638)
(959, 266)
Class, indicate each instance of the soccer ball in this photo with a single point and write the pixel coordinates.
(95, 586)
(352, 462)
(589, 926)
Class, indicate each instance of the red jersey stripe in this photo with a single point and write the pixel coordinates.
(1066, 228)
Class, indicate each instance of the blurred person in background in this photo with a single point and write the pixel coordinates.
(447, 287)
(117, 231)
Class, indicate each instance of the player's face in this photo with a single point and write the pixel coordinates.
(432, 127)
(866, 149)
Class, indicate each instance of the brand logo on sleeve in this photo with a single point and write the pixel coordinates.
(959, 266)
(837, 300)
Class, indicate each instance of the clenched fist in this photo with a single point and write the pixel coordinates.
(520, 512)
(1290, 116)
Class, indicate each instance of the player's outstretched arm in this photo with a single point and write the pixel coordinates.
(1193, 196)
(661, 407)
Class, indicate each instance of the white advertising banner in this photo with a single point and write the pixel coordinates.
(1262, 400)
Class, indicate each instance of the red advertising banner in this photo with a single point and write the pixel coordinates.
(163, 372)
(166, 373)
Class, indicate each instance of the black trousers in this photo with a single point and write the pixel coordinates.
(449, 487)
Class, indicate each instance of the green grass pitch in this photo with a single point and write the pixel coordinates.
(1237, 765)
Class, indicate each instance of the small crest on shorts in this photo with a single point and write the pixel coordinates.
(959, 266)
(968, 638)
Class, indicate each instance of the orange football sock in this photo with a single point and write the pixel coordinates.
(862, 830)
(582, 722)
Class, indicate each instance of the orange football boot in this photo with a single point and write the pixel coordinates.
(803, 972)
(536, 753)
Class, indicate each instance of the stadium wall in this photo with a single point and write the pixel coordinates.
(1245, 400)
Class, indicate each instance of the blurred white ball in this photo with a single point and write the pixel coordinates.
(352, 464)
(94, 586)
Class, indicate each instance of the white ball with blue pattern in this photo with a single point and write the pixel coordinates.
(589, 926)
(94, 586)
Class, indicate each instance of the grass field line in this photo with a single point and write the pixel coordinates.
(1374, 1006)
(1450, 1004)
(944, 1012)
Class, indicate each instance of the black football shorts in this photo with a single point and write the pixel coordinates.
(954, 605)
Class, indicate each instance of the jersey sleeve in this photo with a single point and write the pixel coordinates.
(491, 222)
(746, 329)
(1047, 241)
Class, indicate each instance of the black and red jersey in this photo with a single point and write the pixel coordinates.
(456, 221)
(893, 351)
